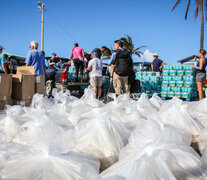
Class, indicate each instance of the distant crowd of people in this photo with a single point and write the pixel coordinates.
(122, 75)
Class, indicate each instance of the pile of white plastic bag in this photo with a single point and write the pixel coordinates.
(66, 138)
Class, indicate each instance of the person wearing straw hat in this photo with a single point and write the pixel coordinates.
(157, 64)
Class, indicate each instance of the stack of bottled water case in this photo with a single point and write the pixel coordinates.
(179, 80)
(72, 74)
(150, 83)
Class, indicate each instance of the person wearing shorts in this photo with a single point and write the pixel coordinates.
(201, 72)
(95, 67)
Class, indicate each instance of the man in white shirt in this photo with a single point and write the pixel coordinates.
(95, 67)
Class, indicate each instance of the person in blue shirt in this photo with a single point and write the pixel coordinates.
(3, 68)
(157, 64)
(36, 58)
(200, 72)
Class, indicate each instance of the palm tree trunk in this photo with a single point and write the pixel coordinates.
(202, 24)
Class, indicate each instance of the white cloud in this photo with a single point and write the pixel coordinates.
(147, 56)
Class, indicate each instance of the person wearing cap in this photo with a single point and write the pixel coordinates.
(36, 58)
(54, 61)
(95, 67)
(157, 64)
(3, 68)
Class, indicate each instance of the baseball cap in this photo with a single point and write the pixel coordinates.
(1, 47)
(97, 51)
(155, 54)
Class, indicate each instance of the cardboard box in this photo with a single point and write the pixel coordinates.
(39, 79)
(4, 103)
(40, 84)
(23, 86)
(5, 87)
(25, 70)
(22, 102)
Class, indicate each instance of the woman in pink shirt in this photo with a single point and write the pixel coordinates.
(77, 54)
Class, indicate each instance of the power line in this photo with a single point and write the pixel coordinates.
(60, 25)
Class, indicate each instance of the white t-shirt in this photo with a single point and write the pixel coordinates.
(96, 65)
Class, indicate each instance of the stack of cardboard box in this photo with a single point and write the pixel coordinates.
(5, 90)
(26, 84)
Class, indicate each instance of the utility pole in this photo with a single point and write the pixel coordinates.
(42, 6)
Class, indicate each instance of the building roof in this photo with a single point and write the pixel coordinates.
(187, 59)
(14, 55)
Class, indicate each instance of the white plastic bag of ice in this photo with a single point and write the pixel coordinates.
(156, 101)
(149, 132)
(177, 114)
(160, 160)
(47, 157)
(102, 138)
(199, 108)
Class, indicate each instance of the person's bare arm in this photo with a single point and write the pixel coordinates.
(83, 53)
(151, 67)
(195, 58)
(52, 63)
(200, 64)
(89, 68)
(27, 64)
(4, 68)
(111, 73)
(10, 68)
(107, 69)
(163, 63)
(71, 56)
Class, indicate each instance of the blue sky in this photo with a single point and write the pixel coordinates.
(95, 23)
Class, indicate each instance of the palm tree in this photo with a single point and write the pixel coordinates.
(108, 52)
(128, 44)
(199, 5)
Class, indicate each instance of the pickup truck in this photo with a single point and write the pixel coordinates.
(61, 80)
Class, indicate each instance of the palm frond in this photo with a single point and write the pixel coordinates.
(127, 44)
(140, 47)
(129, 39)
(197, 4)
(125, 41)
(186, 13)
(178, 1)
(137, 54)
(107, 52)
